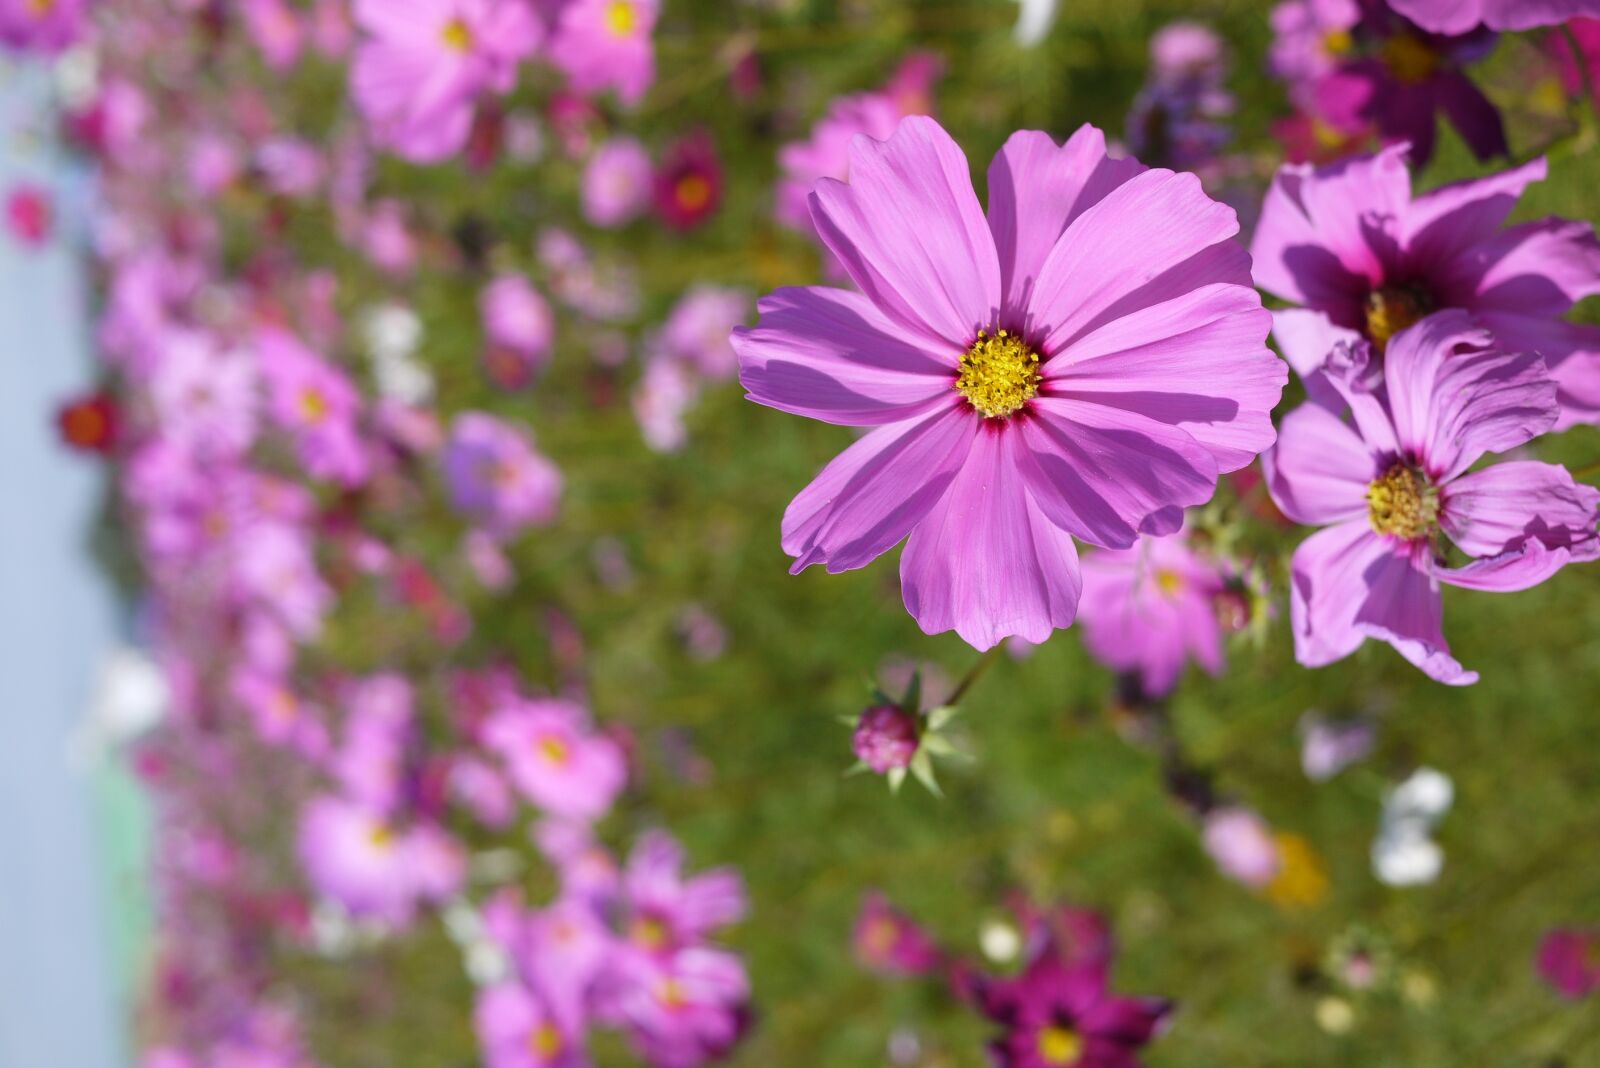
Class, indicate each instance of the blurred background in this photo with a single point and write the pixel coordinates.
(222, 621)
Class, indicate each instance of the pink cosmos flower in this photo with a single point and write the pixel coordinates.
(277, 30)
(316, 403)
(361, 859)
(496, 478)
(519, 329)
(1392, 485)
(48, 26)
(888, 941)
(697, 329)
(206, 399)
(605, 44)
(29, 214)
(418, 75)
(682, 1010)
(386, 238)
(665, 911)
(617, 182)
(688, 184)
(1084, 362)
(1242, 845)
(1309, 38)
(1152, 608)
(666, 392)
(1569, 960)
(1367, 259)
(1459, 16)
(557, 763)
(516, 1030)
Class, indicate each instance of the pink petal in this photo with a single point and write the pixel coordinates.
(985, 562)
(1197, 361)
(1108, 475)
(1500, 508)
(1537, 268)
(1454, 398)
(1519, 569)
(1305, 337)
(1036, 189)
(829, 354)
(1320, 470)
(1571, 353)
(1403, 608)
(1449, 221)
(873, 493)
(909, 231)
(1329, 588)
(1149, 240)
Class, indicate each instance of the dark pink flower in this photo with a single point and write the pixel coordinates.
(1459, 16)
(888, 941)
(1083, 362)
(1569, 960)
(886, 738)
(29, 214)
(688, 183)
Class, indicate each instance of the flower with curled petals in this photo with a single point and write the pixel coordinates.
(1083, 362)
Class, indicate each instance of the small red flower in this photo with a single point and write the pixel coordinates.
(90, 423)
(29, 214)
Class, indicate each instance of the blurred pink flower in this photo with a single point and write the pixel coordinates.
(277, 30)
(1242, 845)
(606, 44)
(555, 759)
(47, 26)
(1569, 960)
(617, 182)
(1460, 16)
(30, 216)
(889, 942)
(316, 403)
(495, 477)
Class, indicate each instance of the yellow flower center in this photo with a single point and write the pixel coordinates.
(1392, 309)
(1169, 582)
(554, 749)
(1060, 1046)
(39, 8)
(999, 374)
(313, 405)
(693, 192)
(671, 995)
(649, 932)
(458, 36)
(381, 835)
(621, 18)
(1403, 503)
(1337, 42)
(1409, 58)
(545, 1041)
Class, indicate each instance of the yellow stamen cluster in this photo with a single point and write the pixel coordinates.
(1060, 1046)
(554, 749)
(1392, 309)
(1403, 503)
(39, 8)
(621, 18)
(1169, 582)
(545, 1041)
(1409, 58)
(999, 374)
(458, 35)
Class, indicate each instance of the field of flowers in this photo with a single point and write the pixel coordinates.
(464, 413)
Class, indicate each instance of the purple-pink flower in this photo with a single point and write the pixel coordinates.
(606, 44)
(1393, 488)
(1083, 362)
(42, 25)
(517, 1030)
(519, 330)
(1569, 960)
(888, 941)
(418, 74)
(1152, 608)
(618, 182)
(496, 478)
(886, 738)
(1459, 16)
(555, 759)
(1366, 259)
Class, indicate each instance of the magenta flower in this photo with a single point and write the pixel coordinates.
(688, 184)
(419, 73)
(1393, 485)
(1398, 78)
(663, 910)
(888, 941)
(886, 737)
(1459, 16)
(30, 215)
(1152, 608)
(516, 1030)
(519, 329)
(1059, 1014)
(1367, 259)
(1082, 363)
(1569, 960)
(496, 478)
(683, 1010)
(555, 760)
(277, 30)
(605, 44)
(48, 26)
(618, 182)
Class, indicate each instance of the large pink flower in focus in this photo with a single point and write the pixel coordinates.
(418, 75)
(1367, 259)
(1393, 484)
(1084, 362)
(1459, 16)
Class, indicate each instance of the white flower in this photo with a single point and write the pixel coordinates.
(393, 332)
(1035, 21)
(1404, 853)
(130, 697)
(1000, 941)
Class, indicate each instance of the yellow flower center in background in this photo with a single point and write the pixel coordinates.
(1169, 582)
(1337, 42)
(649, 932)
(458, 36)
(1409, 58)
(39, 8)
(380, 835)
(1060, 1045)
(313, 405)
(545, 1041)
(554, 749)
(1403, 503)
(999, 374)
(621, 18)
(1392, 309)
